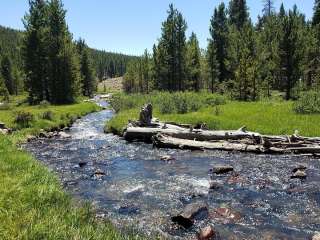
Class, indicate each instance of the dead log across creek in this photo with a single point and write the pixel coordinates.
(163, 141)
(171, 135)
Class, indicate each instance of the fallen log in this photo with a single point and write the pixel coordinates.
(162, 141)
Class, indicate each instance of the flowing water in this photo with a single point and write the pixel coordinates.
(134, 188)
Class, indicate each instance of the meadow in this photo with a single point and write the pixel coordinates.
(33, 204)
(270, 116)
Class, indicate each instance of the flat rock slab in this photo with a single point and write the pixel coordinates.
(221, 169)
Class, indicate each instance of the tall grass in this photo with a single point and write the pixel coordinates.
(267, 117)
(33, 204)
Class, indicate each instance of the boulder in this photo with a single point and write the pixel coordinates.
(300, 174)
(214, 185)
(30, 138)
(299, 167)
(194, 211)
(316, 236)
(221, 169)
(167, 158)
(207, 233)
(64, 135)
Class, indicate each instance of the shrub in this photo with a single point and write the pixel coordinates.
(44, 104)
(23, 119)
(308, 103)
(181, 103)
(5, 106)
(215, 100)
(48, 115)
(166, 106)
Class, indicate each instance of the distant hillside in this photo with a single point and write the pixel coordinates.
(10, 42)
(107, 64)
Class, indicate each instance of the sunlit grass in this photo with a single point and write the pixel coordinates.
(267, 117)
(33, 204)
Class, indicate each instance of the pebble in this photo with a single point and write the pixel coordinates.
(207, 233)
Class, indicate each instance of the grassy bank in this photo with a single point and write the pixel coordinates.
(267, 117)
(33, 204)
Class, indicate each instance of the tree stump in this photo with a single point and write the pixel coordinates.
(145, 115)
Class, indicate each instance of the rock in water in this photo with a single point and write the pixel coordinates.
(167, 158)
(299, 167)
(207, 233)
(221, 169)
(145, 115)
(195, 211)
(64, 135)
(299, 174)
(316, 236)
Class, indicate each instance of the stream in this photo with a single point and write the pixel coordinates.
(129, 184)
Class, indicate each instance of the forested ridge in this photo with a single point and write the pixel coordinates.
(14, 78)
(247, 61)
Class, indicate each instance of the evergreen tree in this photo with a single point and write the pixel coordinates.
(213, 66)
(7, 74)
(4, 94)
(146, 71)
(181, 27)
(193, 63)
(64, 72)
(238, 13)
(88, 81)
(35, 51)
(171, 52)
(268, 7)
(219, 38)
(316, 13)
(291, 50)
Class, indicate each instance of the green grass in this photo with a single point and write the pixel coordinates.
(33, 204)
(267, 117)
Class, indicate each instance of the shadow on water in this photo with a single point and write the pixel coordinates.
(130, 185)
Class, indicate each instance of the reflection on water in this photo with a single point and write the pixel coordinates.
(133, 187)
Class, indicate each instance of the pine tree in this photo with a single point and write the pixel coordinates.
(291, 50)
(64, 72)
(268, 7)
(34, 51)
(219, 37)
(193, 63)
(316, 13)
(88, 81)
(4, 94)
(7, 74)
(146, 71)
(213, 66)
(181, 27)
(238, 13)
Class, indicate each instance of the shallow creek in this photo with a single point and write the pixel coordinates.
(135, 189)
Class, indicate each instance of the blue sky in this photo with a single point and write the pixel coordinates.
(130, 26)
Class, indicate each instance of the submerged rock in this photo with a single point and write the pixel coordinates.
(195, 211)
(221, 169)
(207, 233)
(214, 185)
(82, 164)
(299, 174)
(167, 158)
(226, 213)
(128, 209)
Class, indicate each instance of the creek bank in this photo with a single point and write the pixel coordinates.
(185, 136)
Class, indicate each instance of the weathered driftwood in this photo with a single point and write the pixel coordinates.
(163, 141)
(186, 136)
